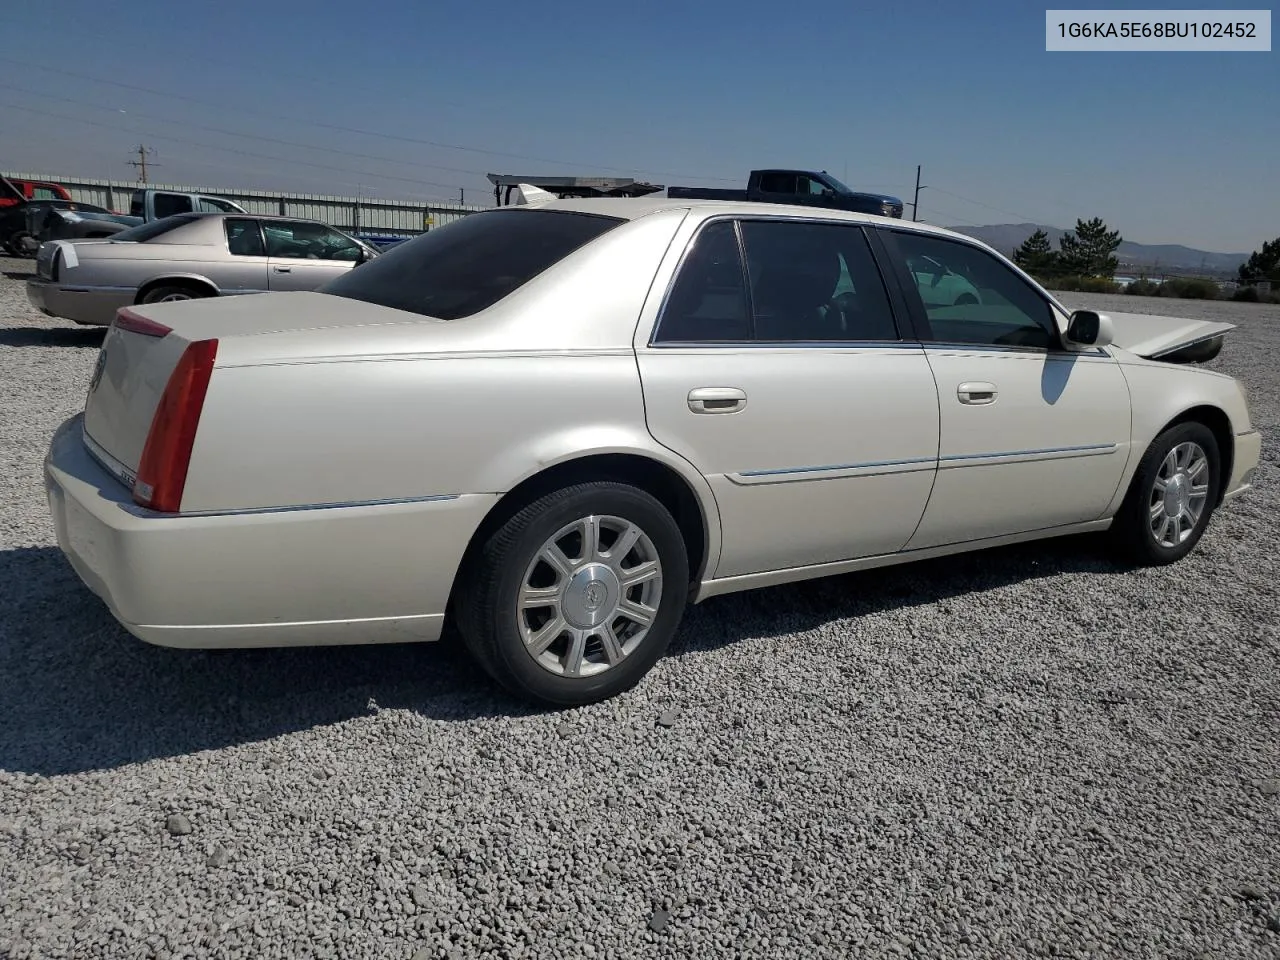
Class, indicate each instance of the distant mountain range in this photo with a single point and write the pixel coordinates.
(1007, 237)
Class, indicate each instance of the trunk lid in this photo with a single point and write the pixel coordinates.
(133, 368)
(1174, 339)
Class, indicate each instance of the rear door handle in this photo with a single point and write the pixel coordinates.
(717, 400)
(977, 392)
(283, 269)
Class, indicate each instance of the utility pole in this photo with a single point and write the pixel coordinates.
(141, 162)
(915, 204)
(462, 196)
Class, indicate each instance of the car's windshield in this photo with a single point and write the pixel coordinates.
(472, 263)
(148, 231)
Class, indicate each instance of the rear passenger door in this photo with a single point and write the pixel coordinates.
(774, 364)
(247, 267)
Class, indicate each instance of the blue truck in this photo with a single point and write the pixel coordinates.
(803, 187)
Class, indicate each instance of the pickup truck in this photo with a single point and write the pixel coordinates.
(16, 192)
(803, 187)
(158, 204)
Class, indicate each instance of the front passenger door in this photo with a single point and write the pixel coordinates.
(1033, 436)
(305, 255)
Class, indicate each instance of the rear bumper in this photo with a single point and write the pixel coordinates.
(94, 306)
(1248, 452)
(372, 573)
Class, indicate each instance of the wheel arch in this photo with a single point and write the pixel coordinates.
(694, 510)
(1219, 424)
(192, 281)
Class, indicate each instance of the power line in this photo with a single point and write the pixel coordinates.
(233, 133)
(245, 153)
(354, 130)
(979, 203)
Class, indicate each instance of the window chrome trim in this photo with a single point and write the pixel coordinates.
(652, 342)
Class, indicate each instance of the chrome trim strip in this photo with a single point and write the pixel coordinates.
(914, 464)
(106, 460)
(939, 346)
(1020, 456)
(787, 344)
(833, 471)
(96, 289)
(293, 508)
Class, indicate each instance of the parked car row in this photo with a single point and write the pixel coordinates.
(189, 256)
(35, 213)
(555, 425)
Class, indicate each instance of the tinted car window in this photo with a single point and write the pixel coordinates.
(708, 300)
(167, 204)
(147, 231)
(244, 238)
(969, 296)
(815, 282)
(214, 205)
(303, 240)
(472, 263)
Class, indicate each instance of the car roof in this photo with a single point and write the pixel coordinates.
(632, 208)
(210, 214)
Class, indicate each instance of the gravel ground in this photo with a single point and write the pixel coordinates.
(1023, 753)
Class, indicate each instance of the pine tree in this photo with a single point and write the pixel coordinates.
(1089, 250)
(1036, 255)
(1262, 264)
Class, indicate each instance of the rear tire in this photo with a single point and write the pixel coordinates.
(563, 624)
(1171, 498)
(167, 294)
(20, 244)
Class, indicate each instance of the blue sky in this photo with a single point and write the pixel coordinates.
(1167, 147)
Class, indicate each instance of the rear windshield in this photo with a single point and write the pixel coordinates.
(147, 231)
(472, 263)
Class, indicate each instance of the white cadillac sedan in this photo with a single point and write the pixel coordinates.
(557, 424)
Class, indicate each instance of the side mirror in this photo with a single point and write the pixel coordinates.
(1088, 328)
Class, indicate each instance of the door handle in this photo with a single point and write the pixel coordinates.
(976, 393)
(717, 400)
(283, 269)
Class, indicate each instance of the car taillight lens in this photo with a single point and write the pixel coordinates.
(162, 473)
(126, 319)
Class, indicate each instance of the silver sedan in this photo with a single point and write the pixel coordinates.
(185, 257)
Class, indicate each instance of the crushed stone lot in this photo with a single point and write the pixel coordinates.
(1027, 752)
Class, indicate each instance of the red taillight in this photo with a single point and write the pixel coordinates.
(126, 319)
(162, 473)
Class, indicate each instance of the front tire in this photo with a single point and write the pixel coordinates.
(573, 600)
(1171, 498)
